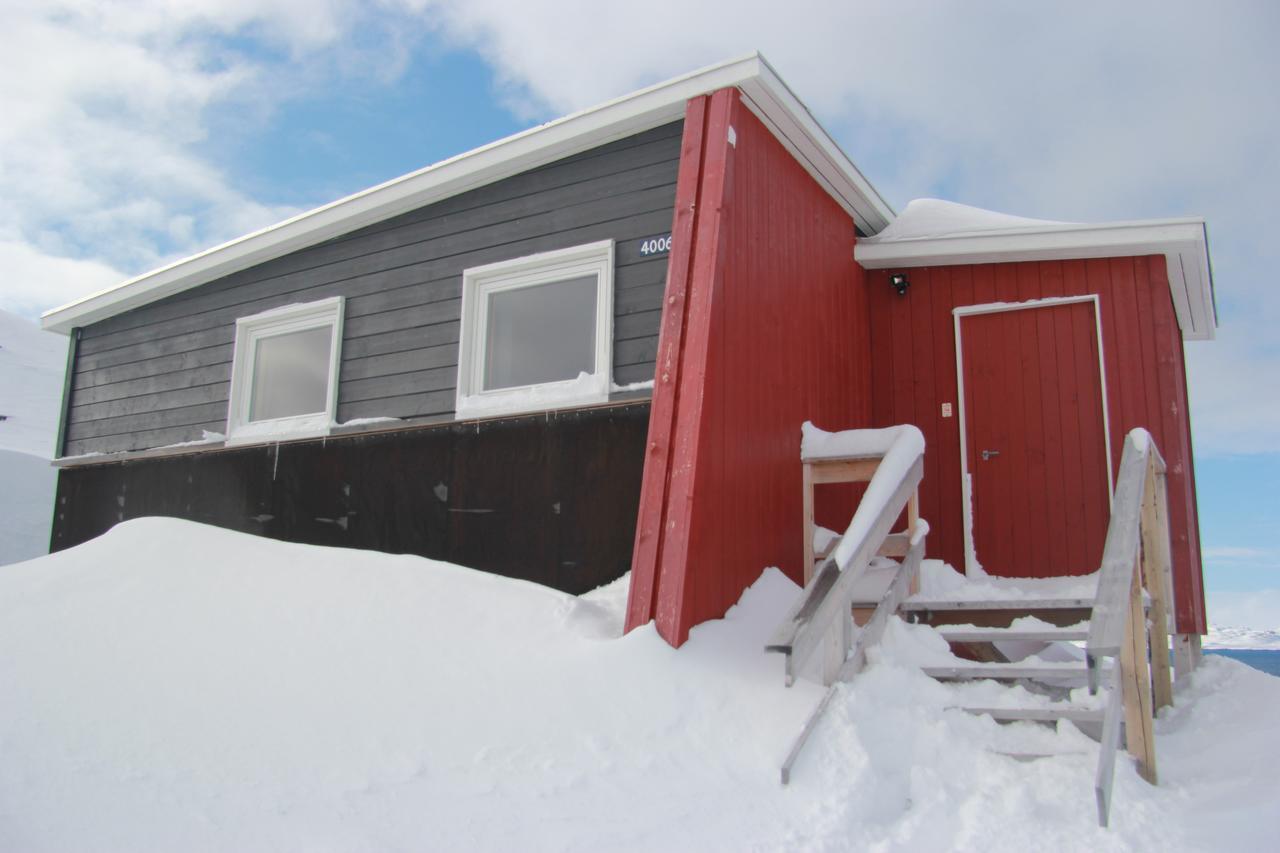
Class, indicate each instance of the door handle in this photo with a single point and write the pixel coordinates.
(987, 454)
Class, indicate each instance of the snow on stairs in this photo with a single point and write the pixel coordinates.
(1021, 625)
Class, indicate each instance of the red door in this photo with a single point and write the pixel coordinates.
(1035, 439)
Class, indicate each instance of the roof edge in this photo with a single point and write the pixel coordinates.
(624, 116)
(1182, 241)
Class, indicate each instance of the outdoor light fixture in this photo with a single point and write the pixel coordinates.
(900, 283)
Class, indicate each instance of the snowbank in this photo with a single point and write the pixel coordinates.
(171, 686)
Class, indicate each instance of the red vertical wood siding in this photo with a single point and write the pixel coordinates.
(765, 326)
(1146, 384)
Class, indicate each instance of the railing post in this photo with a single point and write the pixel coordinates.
(808, 524)
(1136, 684)
(1155, 568)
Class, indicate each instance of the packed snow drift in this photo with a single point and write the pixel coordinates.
(171, 686)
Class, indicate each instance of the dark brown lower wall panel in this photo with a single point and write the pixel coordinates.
(547, 498)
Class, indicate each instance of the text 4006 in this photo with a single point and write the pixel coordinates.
(656, 245)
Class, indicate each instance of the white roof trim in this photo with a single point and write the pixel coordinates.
(764, 93)
(1183, 242)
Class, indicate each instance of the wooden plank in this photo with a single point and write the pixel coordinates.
(642, 597)
(965, 634)
(1004, 671)
(1039, 604)
(144, 439)
(843, 470)
(1108, 746)
(895, 545)
(1155, 571)
(385, 387)
(869, 636)
(810, 723)
(141, 413)
(401, 362)
(192, 359)
(400, 340)
(1136, 684)
(405, 405)
(153, 385)
(806, 469)
(874, 629)
(1072, 484)
(1052, 714)
(641, 324)
(636, 351)
(1111, 611)
(628, 373)
(839, 598)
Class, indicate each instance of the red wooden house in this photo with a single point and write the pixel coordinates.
(1024, 350)
(705, 233)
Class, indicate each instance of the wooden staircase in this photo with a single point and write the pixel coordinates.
(1126, 661)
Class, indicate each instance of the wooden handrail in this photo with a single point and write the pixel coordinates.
(829, 596)
(822, 618)
(1136, 556)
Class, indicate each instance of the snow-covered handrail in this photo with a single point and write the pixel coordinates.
(1136, 555)
(824, 610)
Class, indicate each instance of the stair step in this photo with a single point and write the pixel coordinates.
(1034, 756)
(919, 604)
(969, 634)
(997, 611)
(1005, 671)
(1074, 713)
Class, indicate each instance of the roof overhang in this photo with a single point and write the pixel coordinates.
(763, 92)
(1183, 242)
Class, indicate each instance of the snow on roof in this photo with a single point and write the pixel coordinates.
(932, 217)
(932, 232)
(763, 92)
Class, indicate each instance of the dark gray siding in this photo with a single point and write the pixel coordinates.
(160, 374)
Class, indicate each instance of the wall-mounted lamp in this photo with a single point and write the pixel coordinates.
(900, 283)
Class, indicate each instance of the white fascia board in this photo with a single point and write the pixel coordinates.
(546, 143)
(1181, 241)
(790, 121)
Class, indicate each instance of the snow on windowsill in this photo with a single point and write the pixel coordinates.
(585, 389)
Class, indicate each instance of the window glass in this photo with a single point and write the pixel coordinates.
(291, 374)
(541, 333)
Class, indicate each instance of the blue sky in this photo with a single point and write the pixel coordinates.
(136, 133)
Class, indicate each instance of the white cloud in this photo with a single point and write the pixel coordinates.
(1095, 110)
(105, 105)
(1258, 609)
(31, 279)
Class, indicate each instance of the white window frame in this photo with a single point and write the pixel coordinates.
(479, 283)
(279, 321)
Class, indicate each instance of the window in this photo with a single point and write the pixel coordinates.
(284, 373)
(537, 332)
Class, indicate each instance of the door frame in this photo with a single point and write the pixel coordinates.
(966, 482)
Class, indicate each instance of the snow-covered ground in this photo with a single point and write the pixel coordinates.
(171, 686)
(31, 367)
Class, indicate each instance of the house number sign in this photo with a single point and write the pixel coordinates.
(656, 245)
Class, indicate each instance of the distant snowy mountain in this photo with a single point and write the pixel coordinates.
(31, 371)
(1241, 638)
